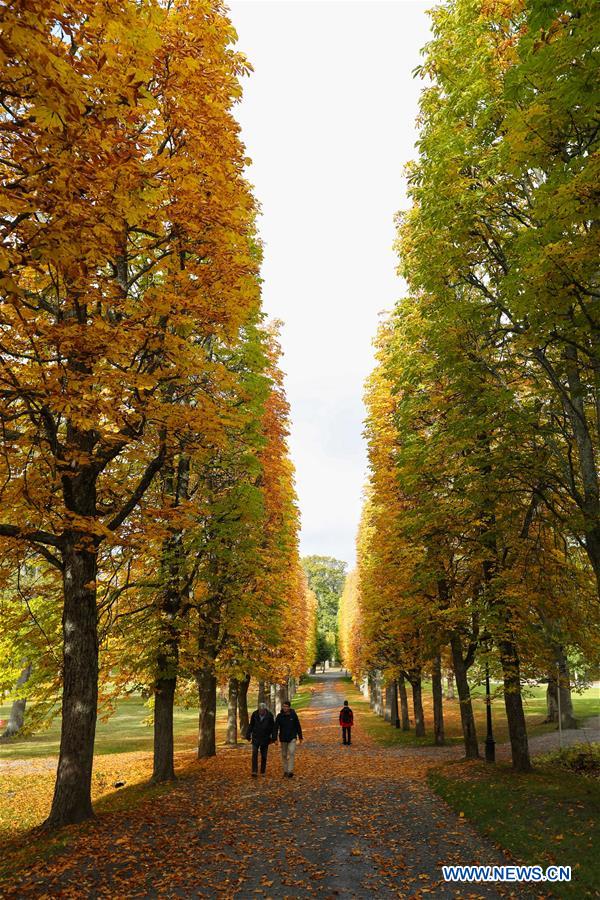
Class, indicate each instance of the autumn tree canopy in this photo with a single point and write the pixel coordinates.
(147, 497)
(479, 534)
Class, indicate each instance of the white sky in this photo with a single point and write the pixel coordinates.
(328, 119)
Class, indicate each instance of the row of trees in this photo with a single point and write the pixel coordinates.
(479, 540)
(149, 522)
(326, 576)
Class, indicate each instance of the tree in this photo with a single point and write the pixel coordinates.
(326, 577)
(125, 246)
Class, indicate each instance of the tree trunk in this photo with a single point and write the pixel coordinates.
(72, 801)
(291, 687)
(415, 683)
(438, 705)
(371, 684)
(387, 706)
(282, 694)
(170, 601)
(552, 698)
(263, 693)
(394, 717)
(404, 716)
(587, 456)
(450, 686)
(244, 719)
(164, 700)
(206, 677)
(567, 719)
(207, 696)
(274, 700)
(513, 702)
(232, 711)
(17, 711)
(464, 696)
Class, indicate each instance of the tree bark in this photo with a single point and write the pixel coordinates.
(263, 693)
(450, 686)
(371, 684)
(552, 698)
(587, 456)
(438, 704)
(513, 702)
(164, 700)
(209, 628)
(17, 711)
(72, 801)
(567, 719)
(464, 696)
(417, 694)
(387, 706)
(170, 602)
(291, 687)
(282, 694)
(207, 696)
(394, 717)
(244, 719)
(404, 716)
(232, 711)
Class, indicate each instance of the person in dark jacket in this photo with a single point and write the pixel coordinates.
(288, 728)
(261, 731)
(346, 721)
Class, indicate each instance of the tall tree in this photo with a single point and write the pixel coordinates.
(124, 245)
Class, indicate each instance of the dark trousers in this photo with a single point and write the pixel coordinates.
(264, 749)
(347, 734)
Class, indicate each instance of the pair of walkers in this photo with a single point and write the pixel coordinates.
(264, 729)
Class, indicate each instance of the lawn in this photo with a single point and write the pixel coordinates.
(547, 817)
(584, 705)
(127, 730)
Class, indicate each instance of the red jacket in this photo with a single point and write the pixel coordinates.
(350, 722)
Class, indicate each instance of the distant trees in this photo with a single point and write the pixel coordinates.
(478, 535)
(326, 577)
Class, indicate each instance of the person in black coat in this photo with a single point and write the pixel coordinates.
(287, 726)
(261, 731)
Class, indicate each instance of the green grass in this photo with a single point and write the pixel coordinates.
(302, 696)
(124, 732)
(127, 730)
(584, 706)
(547, 817)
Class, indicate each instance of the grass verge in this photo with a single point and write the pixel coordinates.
(547, 817)
(584, 705)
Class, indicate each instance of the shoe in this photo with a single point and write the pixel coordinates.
(255, 774)
(290, 774)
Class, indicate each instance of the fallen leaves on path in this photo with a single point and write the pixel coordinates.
(355, 821)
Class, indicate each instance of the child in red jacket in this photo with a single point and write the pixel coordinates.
(346, 721)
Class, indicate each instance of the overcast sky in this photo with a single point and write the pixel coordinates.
(328, 119)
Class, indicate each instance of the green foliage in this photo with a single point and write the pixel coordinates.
(584, 759)
(326, 577)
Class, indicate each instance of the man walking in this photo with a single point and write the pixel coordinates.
(287, 726)
(261, 732)
(346, 721)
